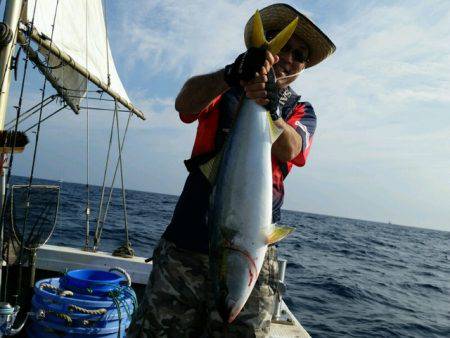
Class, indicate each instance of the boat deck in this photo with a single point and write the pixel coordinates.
(60, 259)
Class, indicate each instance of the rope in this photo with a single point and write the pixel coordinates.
(119, 301)
(63, 316)
(119, 314)
(46, 118)
(6, 35)
(63, 293)
(18, 111)
(287, 76)
(31, 111)
(112, 183)
(124, 272)
(90, 97)
(97, 228)
(105, 109)
(125, 251)
(88, 209)
(119, 297)
(127, 239)
(10, 52)
(80, 309)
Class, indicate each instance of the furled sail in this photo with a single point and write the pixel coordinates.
(78, 33)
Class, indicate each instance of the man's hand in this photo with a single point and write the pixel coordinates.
(245, 66)
(257, 89)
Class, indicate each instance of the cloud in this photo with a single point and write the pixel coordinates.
(193, 37)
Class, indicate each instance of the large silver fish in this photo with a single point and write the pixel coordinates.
(241, 201)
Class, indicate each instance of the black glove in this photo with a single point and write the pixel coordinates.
(245, 66)
(272, 96)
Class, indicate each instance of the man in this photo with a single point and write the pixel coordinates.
(179, 300)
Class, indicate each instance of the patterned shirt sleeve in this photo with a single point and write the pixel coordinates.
(303, 120)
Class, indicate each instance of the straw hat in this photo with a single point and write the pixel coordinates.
(278, 16)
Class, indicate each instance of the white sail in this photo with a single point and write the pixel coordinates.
(77, 28)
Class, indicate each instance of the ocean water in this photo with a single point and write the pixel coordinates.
(345, 277)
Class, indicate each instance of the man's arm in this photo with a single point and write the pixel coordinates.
(198, 92)
(289, 144)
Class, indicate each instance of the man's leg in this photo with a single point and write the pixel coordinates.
(254, 319)
(174, 300)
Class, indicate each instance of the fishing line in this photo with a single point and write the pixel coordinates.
(287, 76)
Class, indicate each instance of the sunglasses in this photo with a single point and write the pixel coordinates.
(299, 55)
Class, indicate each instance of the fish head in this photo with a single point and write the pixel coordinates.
(236, 285)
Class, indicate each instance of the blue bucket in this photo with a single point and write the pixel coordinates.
(44, 330)
(94, 282)
(77, 315)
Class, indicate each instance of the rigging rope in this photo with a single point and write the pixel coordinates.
(30, 112)
(102, 222)
(8, 178)
(6, 34)
(124, 202)
(88, 209)
(30, 182)
(99, 217)
(47, 117)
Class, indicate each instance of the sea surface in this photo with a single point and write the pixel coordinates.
(345, 277)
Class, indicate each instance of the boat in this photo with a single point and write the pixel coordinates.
(66, 40)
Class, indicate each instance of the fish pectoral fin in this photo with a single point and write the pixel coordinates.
(210, 168)
(275, 132)
(277, 234)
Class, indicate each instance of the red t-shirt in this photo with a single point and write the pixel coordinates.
(188, 228)
(301, 117)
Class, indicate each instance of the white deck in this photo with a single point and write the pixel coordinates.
(59, 259)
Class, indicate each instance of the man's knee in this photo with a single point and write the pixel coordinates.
(172, 304)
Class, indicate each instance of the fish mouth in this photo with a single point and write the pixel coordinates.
(230, 309)
(234, 313)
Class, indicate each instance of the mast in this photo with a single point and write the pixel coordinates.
(11, 19)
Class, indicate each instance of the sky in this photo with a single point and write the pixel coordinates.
(381, 150)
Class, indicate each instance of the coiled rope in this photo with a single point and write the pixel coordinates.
(62, 293)
(75, 308)
(5, 34)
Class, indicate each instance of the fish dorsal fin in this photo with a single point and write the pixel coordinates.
(274, 131)
(278, 233)
(211, 168)
(258, 38)
(278, 42)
